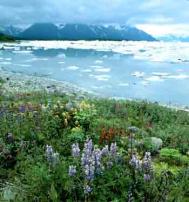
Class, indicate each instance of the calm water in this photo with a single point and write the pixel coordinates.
(135, 73)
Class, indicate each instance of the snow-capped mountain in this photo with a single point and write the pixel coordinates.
(11, 30)
(49, 31)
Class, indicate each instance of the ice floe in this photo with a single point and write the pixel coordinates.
(160, 73)
(102, 70)
(175, 52)
(154, 78)
(98, 62)
(23, 65)
(123, 84)
(102, 77)
(86, 70)
(73, 67)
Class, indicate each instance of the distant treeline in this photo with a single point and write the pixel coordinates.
(5, 37)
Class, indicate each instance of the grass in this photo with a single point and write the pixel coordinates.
(29, 122)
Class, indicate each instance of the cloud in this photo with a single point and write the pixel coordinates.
(98, 11)
(180, 30)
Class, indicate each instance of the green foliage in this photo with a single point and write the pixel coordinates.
(173, 156)
(152, 144)
(39, 119)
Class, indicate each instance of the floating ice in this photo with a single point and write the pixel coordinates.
(96, 66)
(160, 73)
(5, 63)
(86, 70)
(102, 70)
(73, 68)
(179, 76)
(103, 77)
(98, 62)
(154, 78)
(123, 84)
(154, 51)
(8, 59)
(23, 65)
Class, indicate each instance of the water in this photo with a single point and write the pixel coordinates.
(154, 71)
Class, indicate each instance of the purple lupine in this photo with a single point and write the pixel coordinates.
(75, 150)
(91, 161)
(89, 171)
(52, 157)
(105, 151)
(97, 153)
(87, 189)
(147, 166)
(113, 149)
(87, 152)
(49, 152)
(72, 170)
(147, 177)
(88, 147)
(22, 109)
(135, 162)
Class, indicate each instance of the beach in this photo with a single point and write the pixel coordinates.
(21, 83)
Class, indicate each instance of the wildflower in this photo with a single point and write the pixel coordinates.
(105, 151)
(147, 177)
(91, 161)
(75, 150)
(52, 157)
(113, 149)
(88, 147)
(87, 189)
(135, 162)
(97, 158)
(147, 164)
(89, 171)
(72, 170)
(22, 109)
(133, 129)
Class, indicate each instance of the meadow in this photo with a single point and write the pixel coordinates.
(57, 147)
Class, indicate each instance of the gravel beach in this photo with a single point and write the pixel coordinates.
(21, 83)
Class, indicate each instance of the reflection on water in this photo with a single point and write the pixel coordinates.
(106, 72)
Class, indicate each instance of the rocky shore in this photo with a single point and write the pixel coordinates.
(21, 83)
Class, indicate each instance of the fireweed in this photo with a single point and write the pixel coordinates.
(93, 161)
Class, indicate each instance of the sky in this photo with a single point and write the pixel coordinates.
(157, 17)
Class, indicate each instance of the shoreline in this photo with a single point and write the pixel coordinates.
(22, 83)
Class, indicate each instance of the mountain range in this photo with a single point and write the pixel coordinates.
(50, 31)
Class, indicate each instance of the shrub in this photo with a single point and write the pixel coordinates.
(173, 156)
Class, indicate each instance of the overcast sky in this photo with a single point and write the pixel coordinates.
(157, 17)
